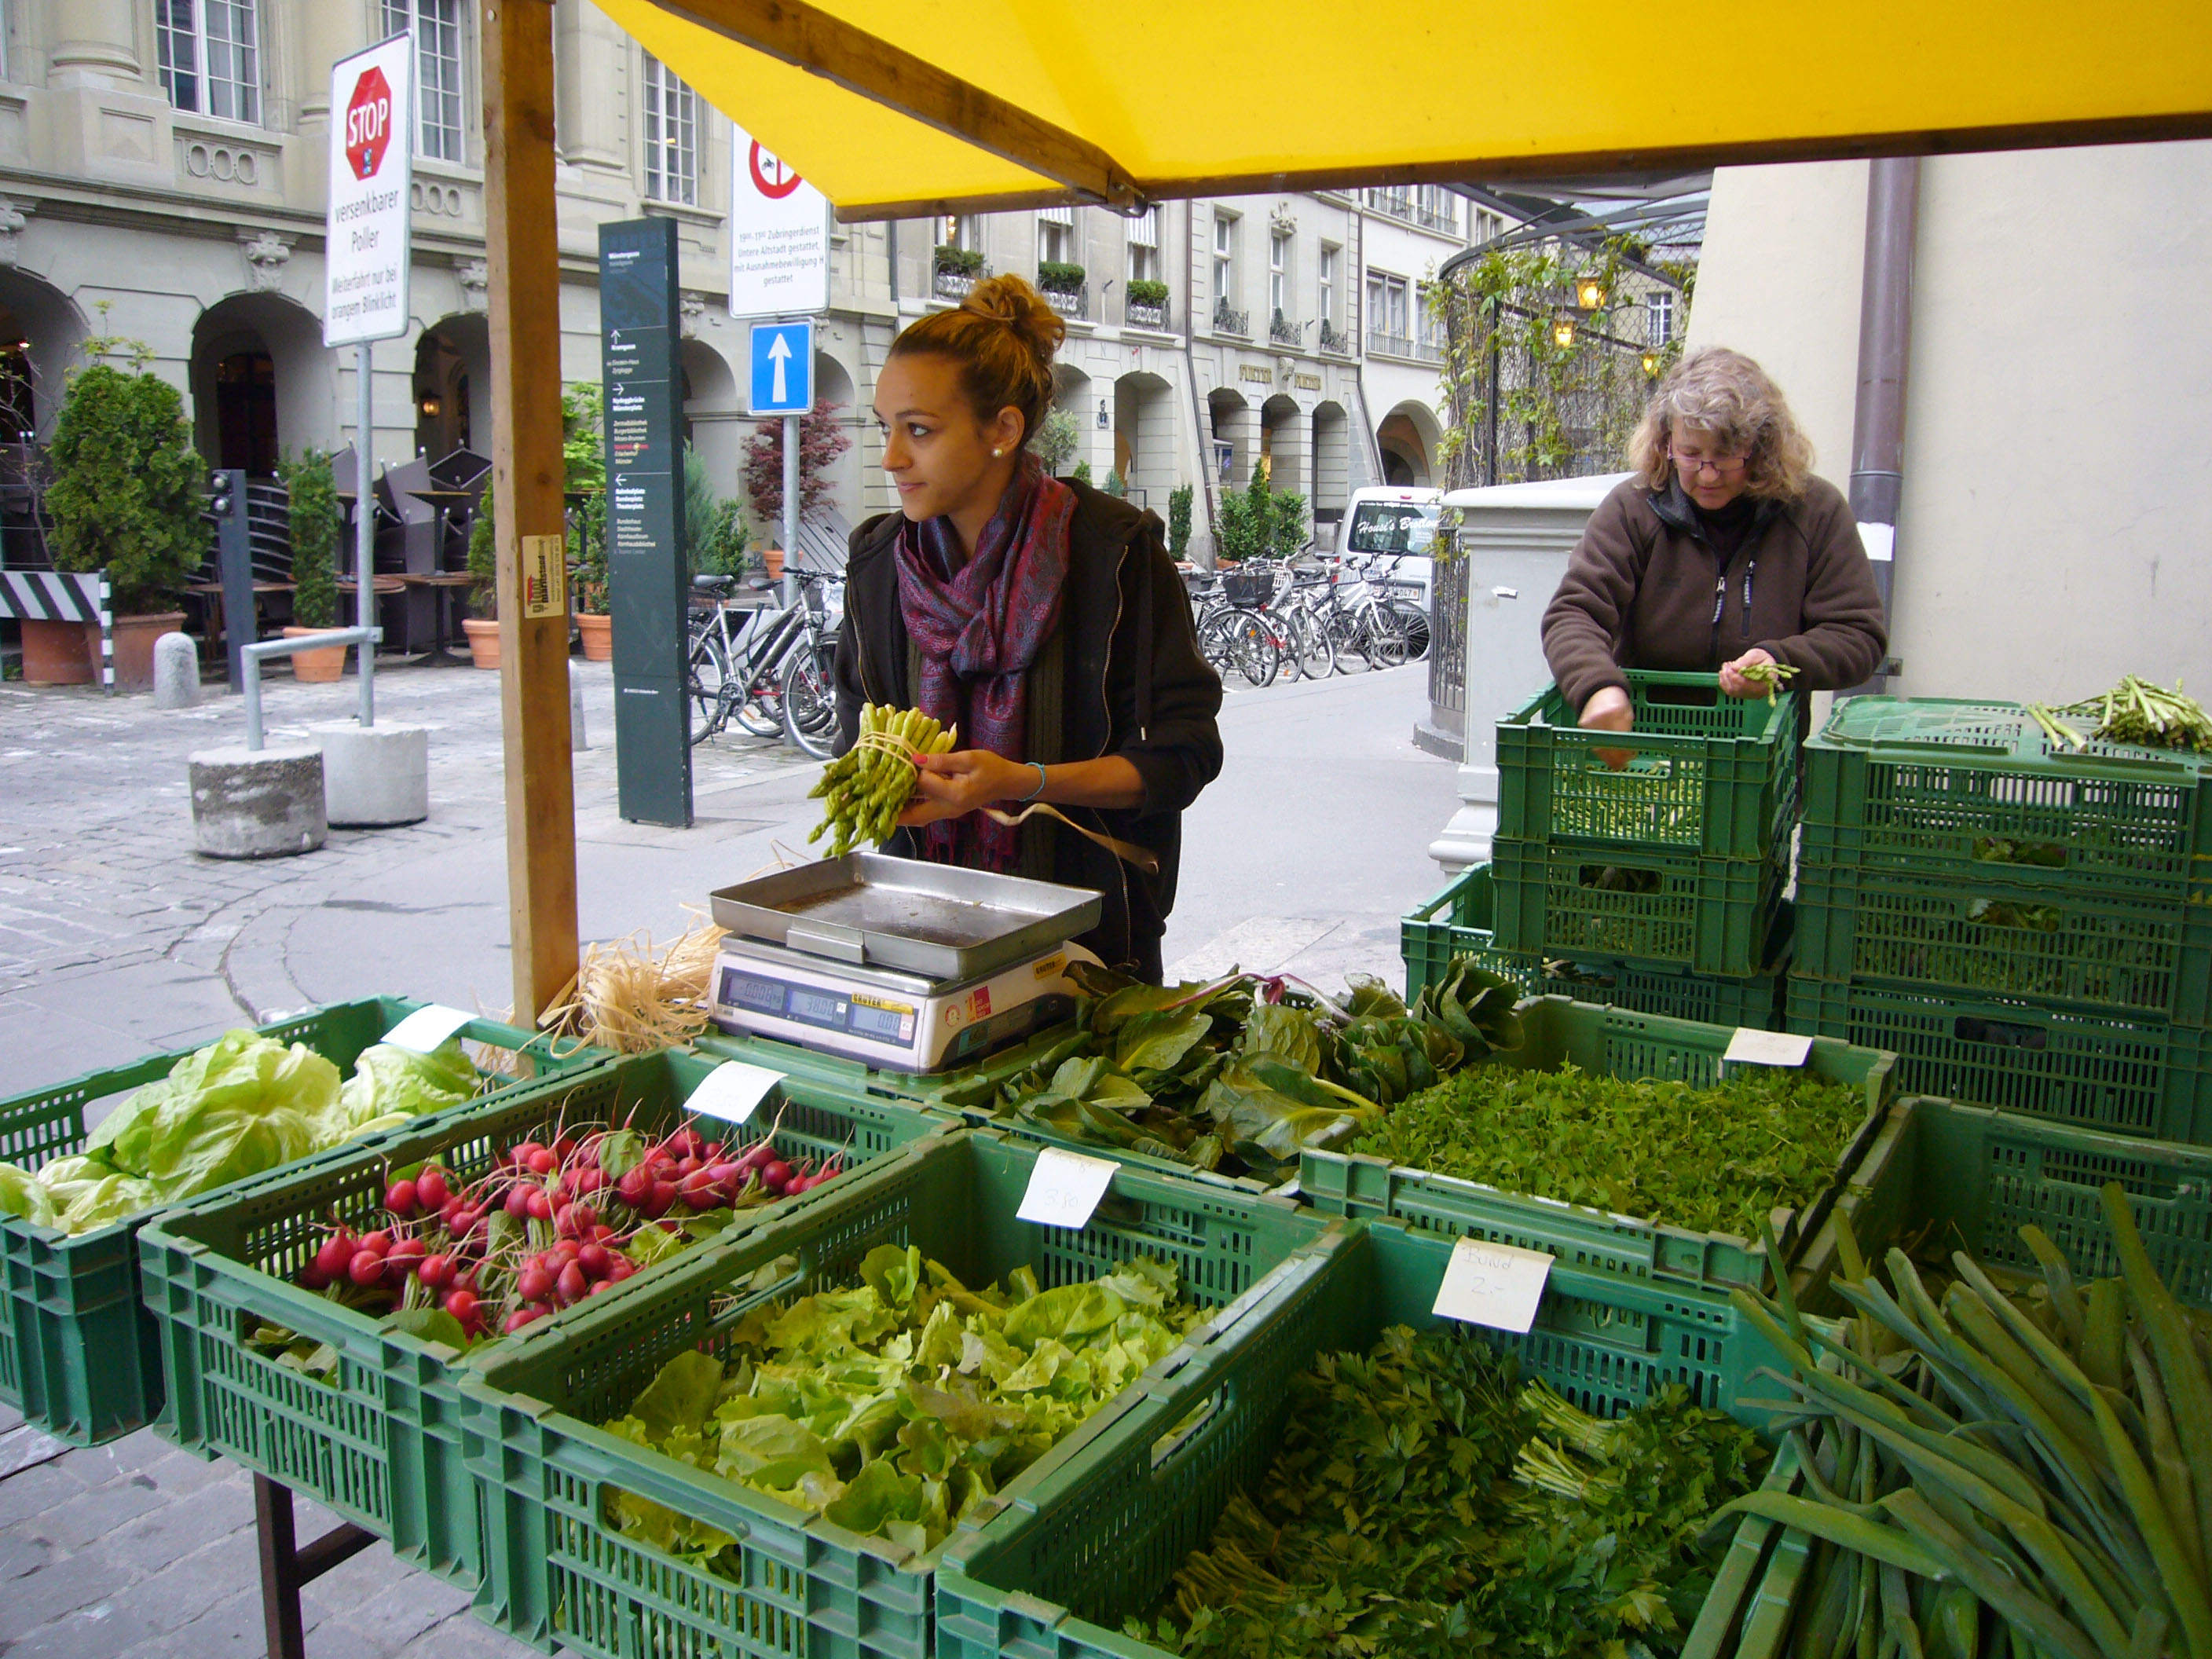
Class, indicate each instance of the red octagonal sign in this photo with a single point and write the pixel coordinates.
(368, 124)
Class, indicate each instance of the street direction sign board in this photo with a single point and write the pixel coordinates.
(367, 240)
(779, 236)
(783, 368)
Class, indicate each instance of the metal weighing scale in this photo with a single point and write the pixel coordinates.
(905, 966)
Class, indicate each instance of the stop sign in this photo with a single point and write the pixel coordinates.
(368, 124)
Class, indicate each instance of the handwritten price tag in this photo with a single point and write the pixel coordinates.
(1494, 1285)
(733, 1091)
(1064, 1188)
(426, 1028)
(1768, 1047)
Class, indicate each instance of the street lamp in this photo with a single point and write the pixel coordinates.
(1103, 420)
(1590, 294)
(430, 406)
(1650, 362)
(1563, 331)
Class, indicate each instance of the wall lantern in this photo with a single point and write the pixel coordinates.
(1563, 331)
(430, 406)
(1590, 294)
(1105, 419)
(1650, 362)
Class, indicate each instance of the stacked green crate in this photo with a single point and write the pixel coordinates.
(2027, 925)
(1652, 861)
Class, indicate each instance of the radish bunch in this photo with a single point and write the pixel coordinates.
(572, 1226)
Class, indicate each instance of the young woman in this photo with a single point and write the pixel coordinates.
(1721, 550)
(1042, 617)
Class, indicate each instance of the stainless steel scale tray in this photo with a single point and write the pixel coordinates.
(939, 920)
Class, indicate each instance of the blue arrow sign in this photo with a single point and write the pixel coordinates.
(783, 368)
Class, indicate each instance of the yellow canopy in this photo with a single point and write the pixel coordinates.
(923, 105)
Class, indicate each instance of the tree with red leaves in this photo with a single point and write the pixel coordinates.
(821, 439)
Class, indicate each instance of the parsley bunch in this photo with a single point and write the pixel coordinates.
(1424, 1506)
(1715, 1160)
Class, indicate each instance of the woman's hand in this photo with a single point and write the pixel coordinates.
(1609, 710)
(1732, 680)
(949, 785)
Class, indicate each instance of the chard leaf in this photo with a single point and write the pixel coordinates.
(1158, 1042)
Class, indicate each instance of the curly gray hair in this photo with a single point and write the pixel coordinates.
(1727, 396)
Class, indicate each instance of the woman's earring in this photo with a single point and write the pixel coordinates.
(997, 452)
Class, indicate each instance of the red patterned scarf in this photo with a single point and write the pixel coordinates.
(979, 627)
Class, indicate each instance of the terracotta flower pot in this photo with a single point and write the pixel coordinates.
(134, 646)
(60, 653)
(483, 641)
(774, 558)
(316, 667)
(598, 636)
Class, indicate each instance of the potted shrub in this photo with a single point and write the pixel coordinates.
(314, 514)
(1145, 295)
(127, 496)
(482, 624)
(585, 462)
(1180, 500)
(1056, 441)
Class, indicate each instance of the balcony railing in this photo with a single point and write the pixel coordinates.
(1400, 345)
(1071, 303)
(1227, 319)
(1283, 331)
(1146, 313)
(955, 284)
(1335, 339)
(1431, 219)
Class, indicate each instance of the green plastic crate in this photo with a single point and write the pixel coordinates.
(2137, 1077)
(1940, 786)
(1746, 1613)
(1456, 922)
(1056, 1573)
(1710, 915)
(381, 1446)
(1715, 778)
(77, 1353)
(2060, 944)
(1610, 1043)
(811, 1590)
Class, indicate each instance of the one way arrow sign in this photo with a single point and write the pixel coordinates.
(783, 368)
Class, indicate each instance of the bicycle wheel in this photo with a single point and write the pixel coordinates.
(1253, 652)
(1415, 623)
(1383, 638)
(810, 702)
(759, 707)
(704, 676)
(1316, 656)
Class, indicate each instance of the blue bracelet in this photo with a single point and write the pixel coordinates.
(1039, 790)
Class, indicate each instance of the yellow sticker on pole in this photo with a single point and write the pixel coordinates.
(545, 576)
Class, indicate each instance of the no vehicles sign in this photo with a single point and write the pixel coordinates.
(367, 247)
(779, 236)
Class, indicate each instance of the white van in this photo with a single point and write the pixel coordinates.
(1394, 520)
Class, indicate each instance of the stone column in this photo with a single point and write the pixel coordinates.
(592, 113)
(102, 44)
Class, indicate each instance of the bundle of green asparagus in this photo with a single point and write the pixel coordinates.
(865, 789)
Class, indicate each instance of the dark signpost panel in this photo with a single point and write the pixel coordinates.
(647, 581)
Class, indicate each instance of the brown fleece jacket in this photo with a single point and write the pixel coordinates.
(1640, 592)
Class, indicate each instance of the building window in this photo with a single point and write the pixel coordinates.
(1279, 273)
(1225, 257)
(1144, 246)
(437, 29)
(1325, 296)
(1437, 207)
(1388, 329)
(1428, 325)
(959, 230)
(1659, 316)
(1398, 201)
(1055, 236)
(210, 57)
(671, 136)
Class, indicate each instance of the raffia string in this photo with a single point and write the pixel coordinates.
(1128, 852)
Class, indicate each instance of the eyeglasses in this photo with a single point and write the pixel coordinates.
(1722, 467)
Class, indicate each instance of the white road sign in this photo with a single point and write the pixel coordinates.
(779, 236)
(367, 245)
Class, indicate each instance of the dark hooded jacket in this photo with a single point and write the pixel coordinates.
(1645, 588)
(1121, 676)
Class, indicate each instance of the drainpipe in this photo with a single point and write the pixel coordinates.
(1877, 482)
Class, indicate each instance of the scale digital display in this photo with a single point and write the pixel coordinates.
(828, 1011)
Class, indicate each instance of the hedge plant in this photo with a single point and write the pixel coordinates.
(129, 490)
(314, 511)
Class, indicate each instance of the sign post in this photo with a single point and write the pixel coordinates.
(647, 570)
(368, 249)
(779, 267)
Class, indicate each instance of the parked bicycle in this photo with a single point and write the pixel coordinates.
(1234, 636)
(767, 669)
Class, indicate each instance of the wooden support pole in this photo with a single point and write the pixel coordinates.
(522, 251)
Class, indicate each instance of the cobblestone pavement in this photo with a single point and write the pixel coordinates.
(117, 941)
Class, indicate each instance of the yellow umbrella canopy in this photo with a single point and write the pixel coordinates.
(926, 104)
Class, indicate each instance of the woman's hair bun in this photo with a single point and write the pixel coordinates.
(1012, 300)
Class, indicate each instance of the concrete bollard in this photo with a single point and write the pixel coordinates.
(577, 740)
(258, 803)
(374, 776)
(176, 671)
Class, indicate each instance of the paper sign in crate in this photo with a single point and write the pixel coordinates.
(1711, 915)
(2137, 1077)
(2057, 945)
(1605, 1042)
(1975, 790)
(1457, 922)
(1715, 778)
(558, 1572)
(77, 1353)
(1057, 1572)
(379, 1443)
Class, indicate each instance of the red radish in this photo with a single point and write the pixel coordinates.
(755, 1156)
(436, 1272)
(379, 1241)
(432, 1188)
(600, 1284)
(633, 1188)
(400, 1198)
(572, 1286)
(621, 1268)
(518, 1201)
(535, 1205)
(563, 1148)
(407, 1249)
(829, 1171)
(462, 1304)
(662, 1195)
(588, 1180)
(313, 1277)
(725, 1174)
(595, 1259)
(534, 1284)
(776, 1176)
(337, 1253)
(521, 1316)
(367, 1268)
(541, 1161)
(520, 1151)
(685, 1166)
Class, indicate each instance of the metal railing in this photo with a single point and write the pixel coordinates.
(1143, 313)
(1335, 339)
(1071, 303)
(365, 638)
(1431, 219)
(955, 284)
(1227, 319)
(1283, 331)
(1400, 345)
(1448, 636)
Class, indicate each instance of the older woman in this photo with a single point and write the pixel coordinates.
(1722, 551)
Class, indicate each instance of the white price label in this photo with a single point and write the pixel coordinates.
(426, 1028)
(1064, 1188)
(733, 1091)
(1768, 1047)
(1494, 1285)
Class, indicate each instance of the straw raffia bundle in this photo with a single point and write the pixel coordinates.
(629, 998)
